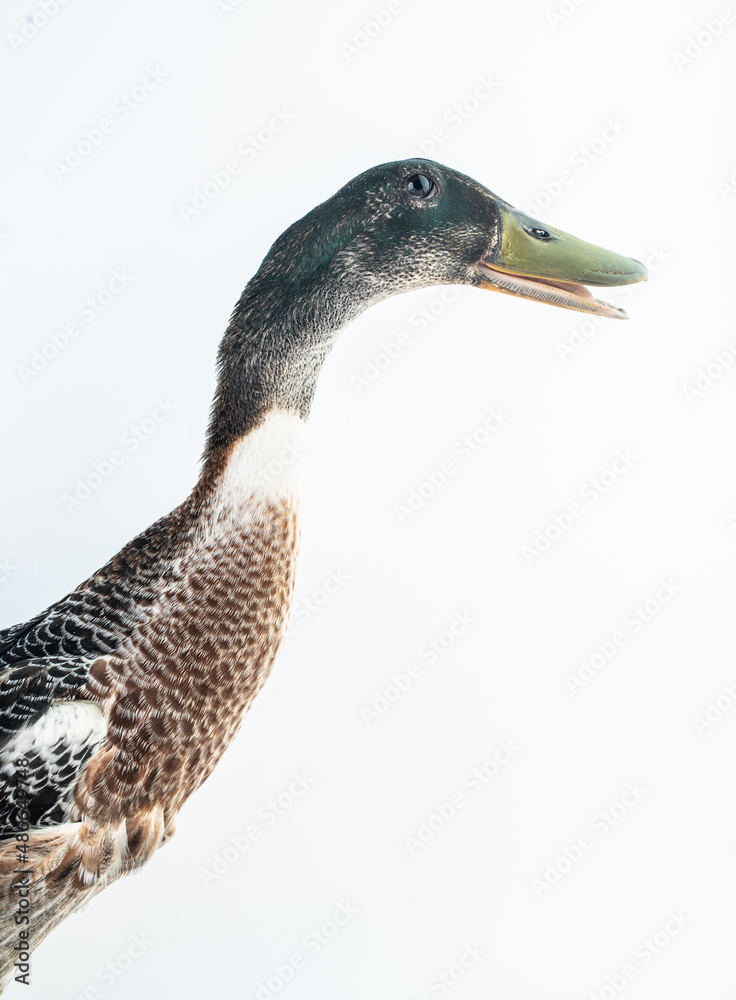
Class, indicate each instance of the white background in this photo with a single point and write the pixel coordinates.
(655, 187)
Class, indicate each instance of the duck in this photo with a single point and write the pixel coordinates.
(118, 701)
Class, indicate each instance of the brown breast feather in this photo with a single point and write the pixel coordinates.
(176, 692)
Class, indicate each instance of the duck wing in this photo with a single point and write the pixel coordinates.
(46, 736)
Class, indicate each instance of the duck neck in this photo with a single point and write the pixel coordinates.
(268, 363)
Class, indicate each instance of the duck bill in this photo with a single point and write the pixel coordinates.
(534, 261)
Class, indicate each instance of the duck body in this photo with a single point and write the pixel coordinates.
(171, 641)
(117, 702)
(201, 599)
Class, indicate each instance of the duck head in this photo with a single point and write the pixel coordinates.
(400, 226)
(416, 223)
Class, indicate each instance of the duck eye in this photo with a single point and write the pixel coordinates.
(419, 185)
(538, 234)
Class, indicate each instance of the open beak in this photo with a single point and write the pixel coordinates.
(536, 262)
